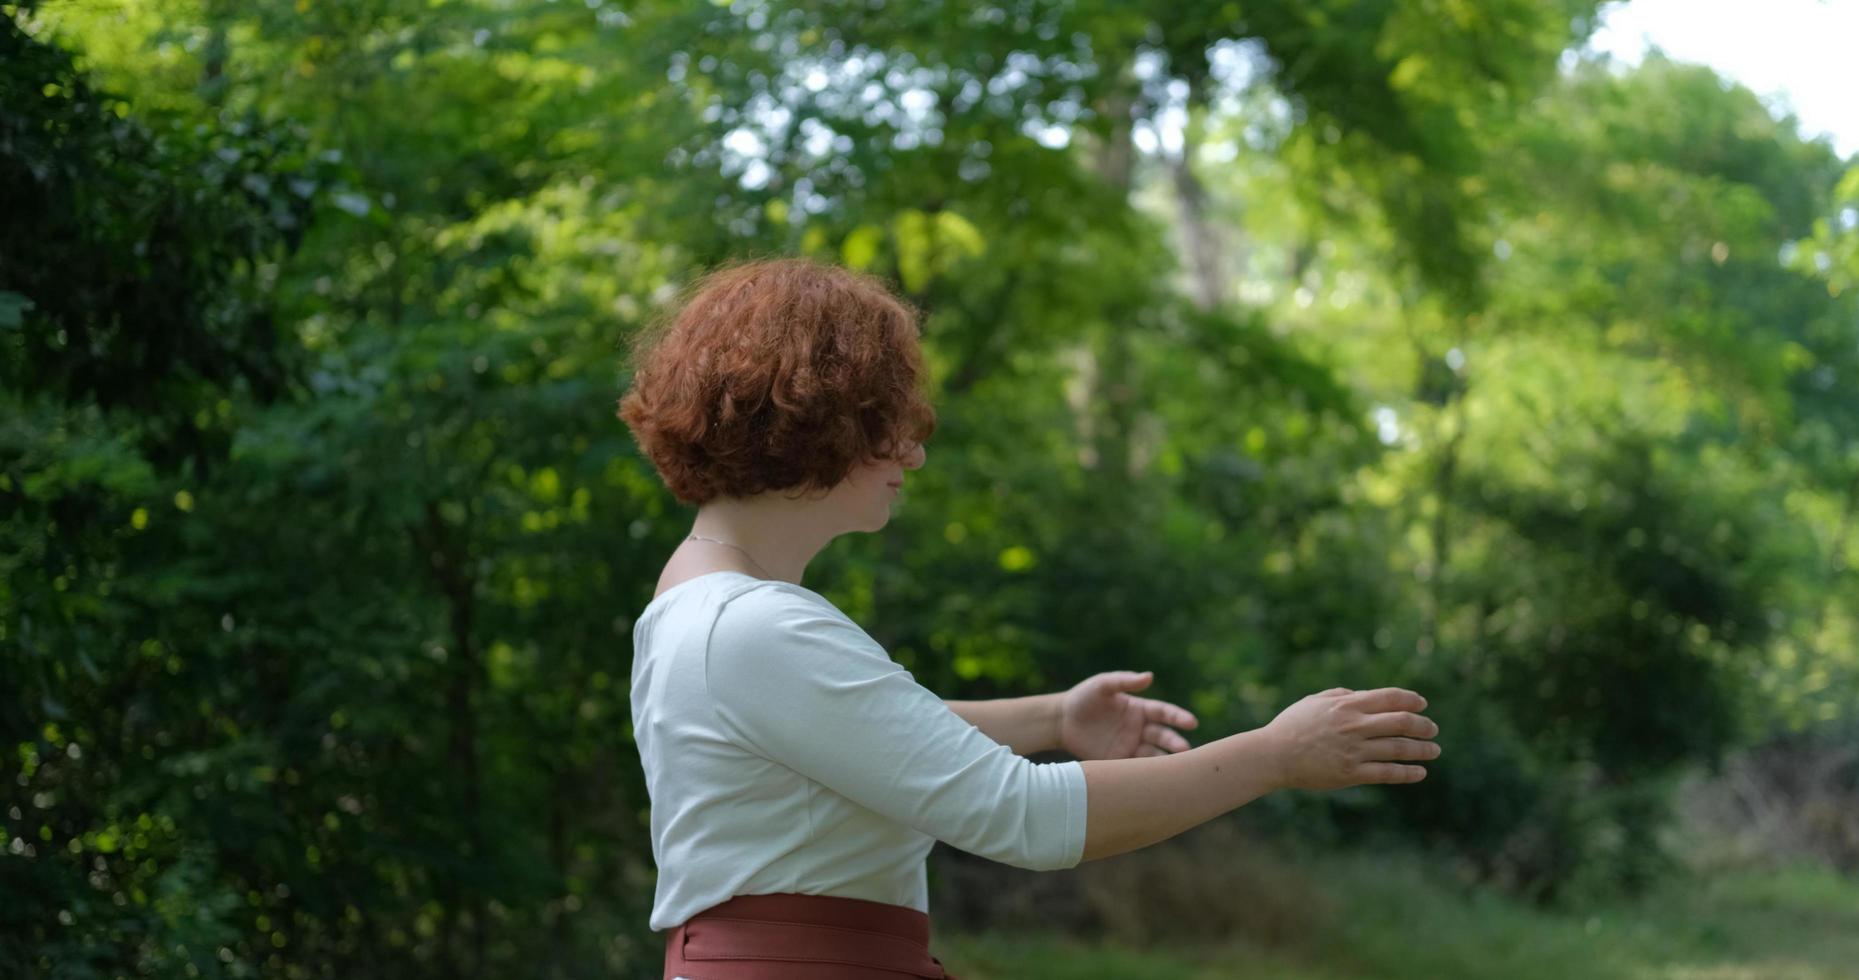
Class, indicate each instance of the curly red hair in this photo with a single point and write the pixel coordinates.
(776, 374)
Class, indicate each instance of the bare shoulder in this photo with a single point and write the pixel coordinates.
(686, 564)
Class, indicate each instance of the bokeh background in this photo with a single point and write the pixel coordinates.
(1278, 345)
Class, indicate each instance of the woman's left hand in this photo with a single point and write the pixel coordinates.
(1100, 719)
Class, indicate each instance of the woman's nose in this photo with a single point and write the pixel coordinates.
(916, 457)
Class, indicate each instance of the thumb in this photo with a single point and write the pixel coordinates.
(1130, 680)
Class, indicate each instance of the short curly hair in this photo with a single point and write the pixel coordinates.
(775, 374)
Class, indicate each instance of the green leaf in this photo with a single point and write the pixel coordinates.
(861, 247)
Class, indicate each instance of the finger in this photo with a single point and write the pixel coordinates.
(1388, 772)
(1169, 714)
(1130, 680)
(1388, 699)
(1167, 738)
(1393, 723)
(1399, 749)
(1149, 750)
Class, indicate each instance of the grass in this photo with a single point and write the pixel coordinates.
(1391, 918)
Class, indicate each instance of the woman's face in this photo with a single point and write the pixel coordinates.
(866, 493)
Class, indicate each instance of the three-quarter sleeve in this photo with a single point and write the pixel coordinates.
(799, 684)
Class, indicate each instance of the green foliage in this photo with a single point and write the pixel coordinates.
(1531, 390)
(121, 249)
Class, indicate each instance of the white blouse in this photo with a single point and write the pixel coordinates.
(785, 751)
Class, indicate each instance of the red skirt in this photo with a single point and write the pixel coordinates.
(802, 937)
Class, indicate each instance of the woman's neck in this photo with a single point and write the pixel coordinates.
(777, 535)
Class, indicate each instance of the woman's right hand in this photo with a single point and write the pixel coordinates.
(1340, 738)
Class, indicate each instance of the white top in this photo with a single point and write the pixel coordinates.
(785, 751)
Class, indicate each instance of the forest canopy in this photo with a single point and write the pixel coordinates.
(1276, 346)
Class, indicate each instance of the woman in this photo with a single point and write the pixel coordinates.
(799, 776)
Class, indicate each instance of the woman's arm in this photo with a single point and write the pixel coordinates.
(1025, 725)
(1326, 741)
(1134, 803)
(796, 682)
(1100, 717)
(1097, 718)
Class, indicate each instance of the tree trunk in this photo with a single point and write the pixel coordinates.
(1205, 246)
(1114, 400)
(449, 564)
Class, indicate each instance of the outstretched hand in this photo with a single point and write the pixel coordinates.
(1100, 719)
(1343, 737)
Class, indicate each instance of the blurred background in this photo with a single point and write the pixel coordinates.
(1481, 347)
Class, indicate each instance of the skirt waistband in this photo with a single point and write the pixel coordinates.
(815, 937)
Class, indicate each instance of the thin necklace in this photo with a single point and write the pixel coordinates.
(745, 554)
